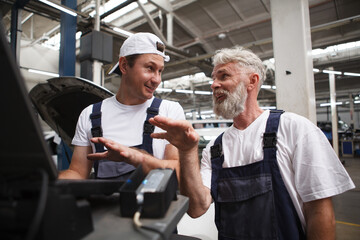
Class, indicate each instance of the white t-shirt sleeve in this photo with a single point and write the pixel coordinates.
(174, 110)
(205, 165)
(318, 172)
(83, 125)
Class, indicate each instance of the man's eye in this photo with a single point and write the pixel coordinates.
(224, 76)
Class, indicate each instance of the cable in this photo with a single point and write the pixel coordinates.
(138, 224)
(136, 218)
(35, 224)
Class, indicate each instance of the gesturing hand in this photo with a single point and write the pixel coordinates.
(179, 133)
(116, 152)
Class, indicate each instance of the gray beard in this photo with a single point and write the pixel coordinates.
(233, 105)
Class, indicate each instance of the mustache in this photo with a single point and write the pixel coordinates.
(220, 92)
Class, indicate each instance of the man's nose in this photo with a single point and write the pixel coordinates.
(156, 77)
(215, 84)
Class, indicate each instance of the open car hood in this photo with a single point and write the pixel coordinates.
(61, 100)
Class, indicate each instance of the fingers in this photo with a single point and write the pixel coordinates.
(97, 156)
(101, 140)
(160, 121)
(161, 135)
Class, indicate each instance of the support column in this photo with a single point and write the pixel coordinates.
(334, 119)
(97, 65)
(351, 102)
(67, 62)
(67, 41)
(170, 22)
(295, 91)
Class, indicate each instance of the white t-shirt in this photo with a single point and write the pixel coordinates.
(308, 164)
(124, 123)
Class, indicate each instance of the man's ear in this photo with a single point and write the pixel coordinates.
(123, 65)
(254, 81)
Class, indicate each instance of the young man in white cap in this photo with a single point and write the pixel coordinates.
(123, 118)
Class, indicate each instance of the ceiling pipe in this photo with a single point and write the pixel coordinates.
(124, 4)
(317, 28)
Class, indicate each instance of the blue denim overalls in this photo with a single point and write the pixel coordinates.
(110, 169)
(251, 201)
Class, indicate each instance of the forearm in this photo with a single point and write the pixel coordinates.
(320, 219)
(191, 183)
(70, 174)
(80, 166)
(150, 162)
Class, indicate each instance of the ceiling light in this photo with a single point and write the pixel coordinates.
(203, 92)
(164, 90)
(329, 104)
(59, 7)
(316, 70)
(207, 112)
(352, 74)
(221, 36)
(331, 72)
(267, 107)
(183, 91)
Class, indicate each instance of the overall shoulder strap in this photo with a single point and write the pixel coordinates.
(217, 159)
(151, 111)
(96, 129)
(270, 135)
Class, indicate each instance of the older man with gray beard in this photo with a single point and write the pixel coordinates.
(271, 174)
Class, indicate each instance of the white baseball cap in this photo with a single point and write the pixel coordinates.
(141, 43)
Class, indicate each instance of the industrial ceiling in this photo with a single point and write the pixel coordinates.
(200, 27)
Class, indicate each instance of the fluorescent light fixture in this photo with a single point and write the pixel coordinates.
(43, 72)
(352, 74)
(268, 87)
(331, 72)
(122, 31)
(329, 104)
(211, 82)
(164, 90)
(61, 8)
(268, 107)
(356, 102)
(203, 92)
(183, 91)
(316, 70)
(207, 112)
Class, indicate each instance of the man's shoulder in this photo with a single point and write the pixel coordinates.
(169, 103)
(295, 118)
(294, 122)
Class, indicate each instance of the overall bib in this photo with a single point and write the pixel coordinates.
(251, 201)
(110, 169)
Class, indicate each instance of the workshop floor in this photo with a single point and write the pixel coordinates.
(347, 205)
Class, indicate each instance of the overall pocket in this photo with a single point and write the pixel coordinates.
(247, 208)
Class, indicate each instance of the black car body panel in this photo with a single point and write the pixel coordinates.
(60, 101)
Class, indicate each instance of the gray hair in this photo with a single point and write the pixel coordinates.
(244, 57)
